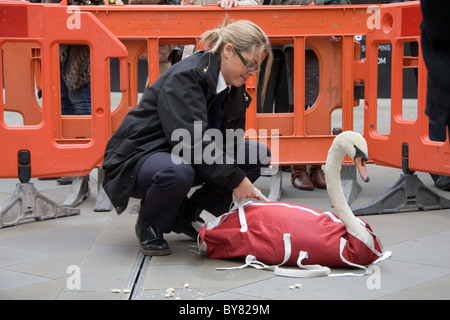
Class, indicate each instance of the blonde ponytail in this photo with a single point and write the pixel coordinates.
(244, 35)
(212, 39)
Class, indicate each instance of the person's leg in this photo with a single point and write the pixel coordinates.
(289, 59)
(162, 186)
(252, 156)
(267, 106)
(300, 177)
(311, 75)
(81, 99)
(438, 132)
(312, 84)
(312, 79)
(281, 92)
(66, 105)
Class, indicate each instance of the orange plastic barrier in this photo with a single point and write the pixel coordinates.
(30, 35)
(305, 136)
(408, 139)
(21, 83)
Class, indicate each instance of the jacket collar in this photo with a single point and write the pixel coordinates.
(221, 84)
(210, 68)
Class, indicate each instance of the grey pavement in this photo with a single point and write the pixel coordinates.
(36, 257)
(95, 255)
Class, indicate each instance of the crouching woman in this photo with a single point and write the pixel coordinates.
(205, 91)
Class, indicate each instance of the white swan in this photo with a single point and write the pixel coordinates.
(354, 145)
(348, 142)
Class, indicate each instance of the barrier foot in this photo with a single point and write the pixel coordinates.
(408, 193)
(102, 202)
(349, 183)
(276, 183)
(27, 203)
(79, 191)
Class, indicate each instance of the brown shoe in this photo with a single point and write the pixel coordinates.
(317, 176)
(300, 178)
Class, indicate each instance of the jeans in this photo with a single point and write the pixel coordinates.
(75, 102)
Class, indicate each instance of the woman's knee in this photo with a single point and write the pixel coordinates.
(178, 177)
(253, 153)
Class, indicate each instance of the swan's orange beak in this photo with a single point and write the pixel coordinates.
(360, 164)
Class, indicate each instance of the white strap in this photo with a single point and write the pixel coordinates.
(342, 245)
(287, 248)
(386, 255)
(241, 212)
(250, 261)
(242, 219)
(306, 271)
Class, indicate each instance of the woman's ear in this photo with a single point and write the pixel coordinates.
(228, 50)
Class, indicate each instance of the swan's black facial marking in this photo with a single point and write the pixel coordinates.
(360, 159)
(361, 154)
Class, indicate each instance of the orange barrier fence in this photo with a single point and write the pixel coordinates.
(400, 27)
(298, 131)
(30, 36)
(68, 145)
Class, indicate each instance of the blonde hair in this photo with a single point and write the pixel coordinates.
(244, 35)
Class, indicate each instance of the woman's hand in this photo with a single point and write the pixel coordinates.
(227, 4)
(246, 189)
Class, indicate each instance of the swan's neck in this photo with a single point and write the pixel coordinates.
(336, 194)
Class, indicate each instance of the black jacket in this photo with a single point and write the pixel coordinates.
(183, 94)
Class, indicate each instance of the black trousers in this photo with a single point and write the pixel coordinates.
(163, 185)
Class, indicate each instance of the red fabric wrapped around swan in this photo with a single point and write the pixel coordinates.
(313, 231)
(278, 233)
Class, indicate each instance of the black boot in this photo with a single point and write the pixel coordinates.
(442, 182)
(150, 239)
(187, 214)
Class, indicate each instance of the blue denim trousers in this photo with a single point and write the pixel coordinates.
(75, 102)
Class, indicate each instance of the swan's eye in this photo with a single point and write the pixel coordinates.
(361, 154)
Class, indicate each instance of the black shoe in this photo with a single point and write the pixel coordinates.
(184, 226)
(64, 180)
(443, 183)
(187, 214)
(150, 239)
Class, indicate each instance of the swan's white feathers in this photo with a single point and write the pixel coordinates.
(348, 141)
(345, 143)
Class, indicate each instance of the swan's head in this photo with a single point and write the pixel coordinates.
(355, 146)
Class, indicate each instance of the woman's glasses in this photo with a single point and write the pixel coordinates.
(249, 66)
